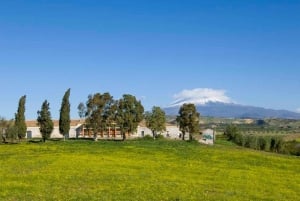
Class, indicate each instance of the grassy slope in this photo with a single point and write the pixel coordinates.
(144, 170)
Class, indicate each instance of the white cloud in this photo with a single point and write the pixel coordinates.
(200, 96)
(298, 110)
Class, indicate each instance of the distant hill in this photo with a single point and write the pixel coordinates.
(231, 110)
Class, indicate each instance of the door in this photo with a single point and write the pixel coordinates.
(29, 134)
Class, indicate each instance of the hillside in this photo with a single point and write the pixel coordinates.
(231, 110)
(144, 170)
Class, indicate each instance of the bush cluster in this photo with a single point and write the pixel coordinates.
(147, 137)
(159, 137)
(272, 143)
(292, 147)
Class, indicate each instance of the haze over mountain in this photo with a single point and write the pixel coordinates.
(211, 102)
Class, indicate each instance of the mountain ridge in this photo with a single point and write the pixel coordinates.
(233, 110)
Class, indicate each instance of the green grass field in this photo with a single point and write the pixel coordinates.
(145, 170)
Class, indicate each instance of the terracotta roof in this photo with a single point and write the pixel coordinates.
(33, 123)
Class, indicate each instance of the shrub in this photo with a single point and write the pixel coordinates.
(159, 137)
(267, 143)
(231, 131)
(261, 143)
(246, 141)
(148, 137)
(239, 139)
(253, 141)
(276, 144)
(291, 147)
(12, 132)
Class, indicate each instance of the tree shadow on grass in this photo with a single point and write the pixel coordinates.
(9, 143)
(55, 139)
(35, 141)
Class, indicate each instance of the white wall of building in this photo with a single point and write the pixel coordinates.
(35, 132)
(171, 132)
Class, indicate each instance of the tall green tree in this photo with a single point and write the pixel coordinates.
(20, 124)
(188, 120)
(99, 112)
(129, 113)
(45, 121)
(156, 120)
(64, 117)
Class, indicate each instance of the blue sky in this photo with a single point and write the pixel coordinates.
(247, 52)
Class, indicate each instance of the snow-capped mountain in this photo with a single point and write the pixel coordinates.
(200, 96)
(232, 110)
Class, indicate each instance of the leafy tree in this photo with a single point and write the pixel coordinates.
(44, 121)
(20, 125)
(12, 131)
(3, 128)
(188, 120)
(8, 129)
(99, 112)
(81, 110)
(129, 113)
(231, 132)
(156, 120)
(64, 118)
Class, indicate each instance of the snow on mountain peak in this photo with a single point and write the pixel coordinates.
(200, 96)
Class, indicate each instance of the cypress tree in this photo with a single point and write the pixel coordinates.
(44, 121)
(64, 118)
(20, 124)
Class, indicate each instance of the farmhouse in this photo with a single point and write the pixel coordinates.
(79, 130)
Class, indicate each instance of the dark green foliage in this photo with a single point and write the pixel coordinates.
(276, 144)
(147, 137)
(156, 120)
(188, 120)
(44, 121)
(100, 112)
(129, 114)
(231, 131)
(5, 129)
(273, 143)
(3, 126)
(292, 147)
(64, 117)
(260, 122)
(160, 137)
(20, 124)
(12, 132)
(238, 139)
(262, 143)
